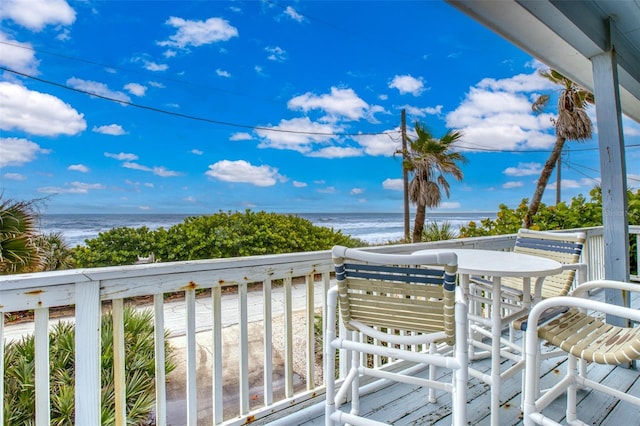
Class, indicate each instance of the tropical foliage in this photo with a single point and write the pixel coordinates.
(429, 160)
(220, 235)
(18, 231)
(578, 213)
(573, 123)
(19, 386)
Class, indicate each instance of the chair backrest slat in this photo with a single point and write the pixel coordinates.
(564, 247)
(409, 297)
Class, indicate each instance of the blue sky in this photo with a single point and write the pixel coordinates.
(202, 106)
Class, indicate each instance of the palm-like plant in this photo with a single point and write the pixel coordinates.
(572, 123)
(429, 159)
(18, 250)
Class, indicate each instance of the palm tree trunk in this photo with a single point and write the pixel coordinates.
(543, 181)
(418, 226)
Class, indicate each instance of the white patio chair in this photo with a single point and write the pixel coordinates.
(582, 336)
(399, 307)
(564, 247)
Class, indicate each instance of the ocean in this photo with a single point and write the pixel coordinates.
(374, 228)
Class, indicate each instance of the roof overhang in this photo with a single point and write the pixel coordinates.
(564, 35)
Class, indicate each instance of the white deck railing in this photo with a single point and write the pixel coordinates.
(285, 285)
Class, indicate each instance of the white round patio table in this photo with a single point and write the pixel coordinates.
(498, 264)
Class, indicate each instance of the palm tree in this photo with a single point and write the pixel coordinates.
(429, 160)
(18, 249)
(572, 123)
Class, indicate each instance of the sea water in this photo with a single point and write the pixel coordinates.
(374, 228)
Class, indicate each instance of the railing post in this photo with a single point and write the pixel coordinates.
(88, 386)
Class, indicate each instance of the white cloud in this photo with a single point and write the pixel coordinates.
(122, 156)
(223, 73)
(356, 191)
(496, 114)
(18, 151)
(72, 188)
(37, 113)
(422, 112)
(512, 184)
(197, 152)
(276, 53)
(380, 144)
(524, 169)
(156, 85)
(153, 66)
(156, 170)
(78, 168)
(407, 84)
(575, 184)
(327, 190)
(18, 56)
(111, 129)
(297, 134)
(243, 172)
(336, 152)
(291, 12)
(342, 103)
(14, 176)
(450, 205)
(36, 14)
(299, 184)
(240, 136)
(136, 89)
(97, 88)
(198, 33)
(393, 184)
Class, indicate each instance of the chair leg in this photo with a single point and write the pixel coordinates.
(355, 384)
(330, 360)
(572, 371)
(432, 374)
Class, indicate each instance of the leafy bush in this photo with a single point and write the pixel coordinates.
(579, 213)
(219, 235)
(19, 386)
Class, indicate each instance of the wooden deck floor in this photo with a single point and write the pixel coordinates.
(401, 404)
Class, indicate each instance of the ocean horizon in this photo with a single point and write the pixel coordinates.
(374, 228)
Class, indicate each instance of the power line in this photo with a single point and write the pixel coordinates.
(129, 70)
(191, 117)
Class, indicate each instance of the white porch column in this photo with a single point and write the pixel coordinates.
(613, 173)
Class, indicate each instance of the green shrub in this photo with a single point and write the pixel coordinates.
(19, 387)
(220, 235)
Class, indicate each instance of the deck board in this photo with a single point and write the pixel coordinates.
(401, 404)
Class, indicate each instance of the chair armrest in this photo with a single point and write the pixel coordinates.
(589, 286)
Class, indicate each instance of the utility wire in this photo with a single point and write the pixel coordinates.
(129, 70)
(191, 117)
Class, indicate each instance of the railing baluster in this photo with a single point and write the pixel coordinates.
(43, 392)
(192, 389)
(311, 358)
(118, 363)
(268, 342)
(288, 339)
(243, 342)
(216, 300)
(158, 336)
(88, 387)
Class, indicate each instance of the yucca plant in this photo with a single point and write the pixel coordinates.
(435, 232)
(19, 402)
